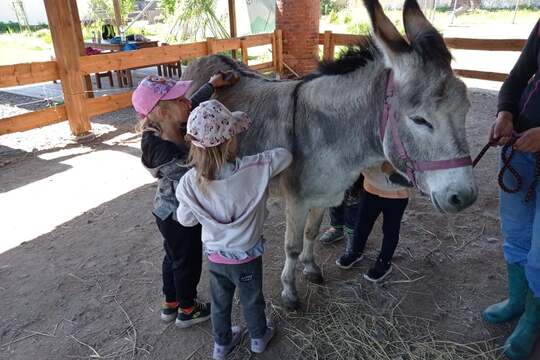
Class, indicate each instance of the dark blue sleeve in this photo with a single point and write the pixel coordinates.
(525, 68)
(156, 151)
(201, 95)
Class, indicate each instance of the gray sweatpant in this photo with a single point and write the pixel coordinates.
(224, 279)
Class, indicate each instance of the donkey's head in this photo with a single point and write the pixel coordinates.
(429, 107)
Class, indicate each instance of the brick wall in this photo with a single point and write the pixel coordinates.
(299, 21)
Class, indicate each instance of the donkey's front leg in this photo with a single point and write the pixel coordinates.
(296, 219)
(312, 272)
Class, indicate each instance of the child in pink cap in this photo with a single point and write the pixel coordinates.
(227, 196)
(164, 110)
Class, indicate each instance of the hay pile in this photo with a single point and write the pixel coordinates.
(364, 322)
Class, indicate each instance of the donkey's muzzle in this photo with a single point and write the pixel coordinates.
(460, 200)
(454, 201)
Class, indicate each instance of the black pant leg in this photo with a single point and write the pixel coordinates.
(169, 290)
(368, 211)
(183, 247)
(337, 216)
(393, 210)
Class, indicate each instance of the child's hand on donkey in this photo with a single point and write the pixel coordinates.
(224, 78)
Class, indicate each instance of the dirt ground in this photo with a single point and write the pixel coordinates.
(90, 287)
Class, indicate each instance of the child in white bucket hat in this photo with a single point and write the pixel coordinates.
(227, 196)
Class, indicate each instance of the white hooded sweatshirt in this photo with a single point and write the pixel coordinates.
(233, 210)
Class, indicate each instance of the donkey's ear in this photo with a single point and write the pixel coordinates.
(385, 32)
(423, 36)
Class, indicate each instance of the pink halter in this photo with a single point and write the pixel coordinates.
(412, 166)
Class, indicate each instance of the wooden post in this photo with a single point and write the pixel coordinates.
(117, 15)
(244, 48)
(274, 52)
(82, 51)
(232, 22)
(65, 26)
(328, 47)
(210, 45)
(279, 51)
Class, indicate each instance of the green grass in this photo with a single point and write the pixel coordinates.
(13, 27)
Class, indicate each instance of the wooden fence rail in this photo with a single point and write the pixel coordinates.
(24, 74)
(31, 73)
(330, 40)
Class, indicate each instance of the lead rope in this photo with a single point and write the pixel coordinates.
(506, 157)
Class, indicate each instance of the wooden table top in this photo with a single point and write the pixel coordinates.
(105, 45)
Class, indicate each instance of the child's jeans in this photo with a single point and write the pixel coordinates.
(182, 263)
(224, 279)
(520, 221)
(371, 206)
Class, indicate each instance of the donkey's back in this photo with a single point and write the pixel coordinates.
(269, 103)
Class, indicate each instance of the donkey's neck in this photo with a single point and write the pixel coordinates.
(349, 106)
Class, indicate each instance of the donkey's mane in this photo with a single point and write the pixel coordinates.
(354, 57)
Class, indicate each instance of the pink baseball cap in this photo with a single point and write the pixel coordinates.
(153, 89)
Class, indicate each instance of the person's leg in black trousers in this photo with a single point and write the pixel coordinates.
(182, 264)
(393, 210)
(368, 211)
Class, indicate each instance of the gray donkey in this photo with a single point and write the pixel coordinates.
(391, 100)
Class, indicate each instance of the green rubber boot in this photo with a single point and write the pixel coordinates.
(515, 304)
(521, 343)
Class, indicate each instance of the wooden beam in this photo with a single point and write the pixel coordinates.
(245, 57)
(142, 58)
(482, 75)
(165, 54)
(210, 46)
(257, 40)
(109, 103)
(232, 22)
(33, 120)
(65, 25)
(348, 39)
(225, 44)
(486, 44)
(117, 15)
(279, 51)
(262, 66)
(328, 46)
(29, 73)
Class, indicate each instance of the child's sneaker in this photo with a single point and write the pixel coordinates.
(347, 261)
(259, 345)
(198, 313)
(221, 351)
(331, 236)
(169, 311)
(379, 272)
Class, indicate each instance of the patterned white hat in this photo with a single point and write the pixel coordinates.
(211, 124)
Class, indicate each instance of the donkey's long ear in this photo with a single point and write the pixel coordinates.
(423, 36)
(386, 33)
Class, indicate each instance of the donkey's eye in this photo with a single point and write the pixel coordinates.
(418, 120)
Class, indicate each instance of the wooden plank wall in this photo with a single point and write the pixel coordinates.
(330, 40)
(31, 73)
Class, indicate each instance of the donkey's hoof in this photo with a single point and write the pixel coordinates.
(314, 278)
(290, 304)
